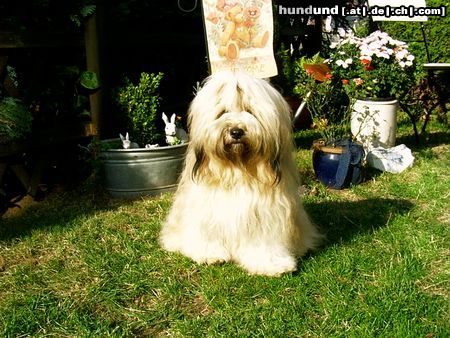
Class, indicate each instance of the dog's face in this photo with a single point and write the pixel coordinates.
(235, 136)
(237, 120)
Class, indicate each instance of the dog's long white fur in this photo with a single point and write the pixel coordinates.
(239, 201)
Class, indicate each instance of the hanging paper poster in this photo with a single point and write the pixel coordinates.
(239, 35)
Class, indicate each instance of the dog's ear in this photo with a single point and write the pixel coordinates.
(275, 164)
(200, 158)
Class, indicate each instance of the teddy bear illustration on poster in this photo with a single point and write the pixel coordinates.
(239, 35)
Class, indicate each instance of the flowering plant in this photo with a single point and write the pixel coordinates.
(324, 97)
(376, 66)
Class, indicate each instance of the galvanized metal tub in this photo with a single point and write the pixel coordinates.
(131, 173)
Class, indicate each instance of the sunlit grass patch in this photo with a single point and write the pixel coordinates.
(81, 264)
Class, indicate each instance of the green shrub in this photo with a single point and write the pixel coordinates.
(140, 103)
(437, 31)
(15, 120)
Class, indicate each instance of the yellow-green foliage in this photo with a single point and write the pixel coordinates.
(437, 31)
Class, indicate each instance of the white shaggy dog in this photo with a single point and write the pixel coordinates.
(237, 199)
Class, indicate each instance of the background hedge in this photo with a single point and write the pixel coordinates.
(437, 31)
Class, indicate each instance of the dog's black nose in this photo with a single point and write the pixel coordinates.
(236, 133)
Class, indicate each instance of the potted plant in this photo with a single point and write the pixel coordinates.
(337, 160)
(142, 164)
(15, 120)
(285, 82)
(375, 72)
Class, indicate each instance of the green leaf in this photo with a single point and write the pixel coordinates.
(89, 80)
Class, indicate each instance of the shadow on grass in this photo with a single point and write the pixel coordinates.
(339, 221)
(59, 210)
(430, 139)
(304, 139)
(343, 220)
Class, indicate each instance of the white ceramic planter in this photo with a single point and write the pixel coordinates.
(374, 122)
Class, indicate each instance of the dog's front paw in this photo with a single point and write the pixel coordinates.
(209, 254)
(269, 264)
(170, 241)
(212, 260)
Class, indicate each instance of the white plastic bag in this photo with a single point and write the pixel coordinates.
(393, 160)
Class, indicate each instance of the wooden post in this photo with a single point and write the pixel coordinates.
(91, 37)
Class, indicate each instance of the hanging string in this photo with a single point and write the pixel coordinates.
(187, 10)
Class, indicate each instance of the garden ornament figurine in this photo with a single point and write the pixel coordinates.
(173, 133)
(126, 143)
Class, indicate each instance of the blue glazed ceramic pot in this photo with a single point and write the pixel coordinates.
(325, 164)
(340, 165)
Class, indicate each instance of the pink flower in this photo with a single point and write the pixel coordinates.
(358, 81)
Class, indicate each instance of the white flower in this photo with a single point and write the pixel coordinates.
(341, 63)
(410, 57)
(401, 54)
(397, 43)
(353, 40)
(341, 53)
(333, 45)
(382, 55)
(365, 57)
(349, 61)
(382, 35)
(342, 32)
(374, 45)
(408, 63)
(402, 64)
(365, 50)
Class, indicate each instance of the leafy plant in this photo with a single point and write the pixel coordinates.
(46, 14)
(140, 103)
(86, 9)
(89, 80)
(15, 120)
(324, 96)
(286, 79)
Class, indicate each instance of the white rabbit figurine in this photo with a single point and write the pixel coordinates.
(126, 143)
(172, 132)
(151, 146)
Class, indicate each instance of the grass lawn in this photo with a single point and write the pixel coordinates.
(79, 264)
